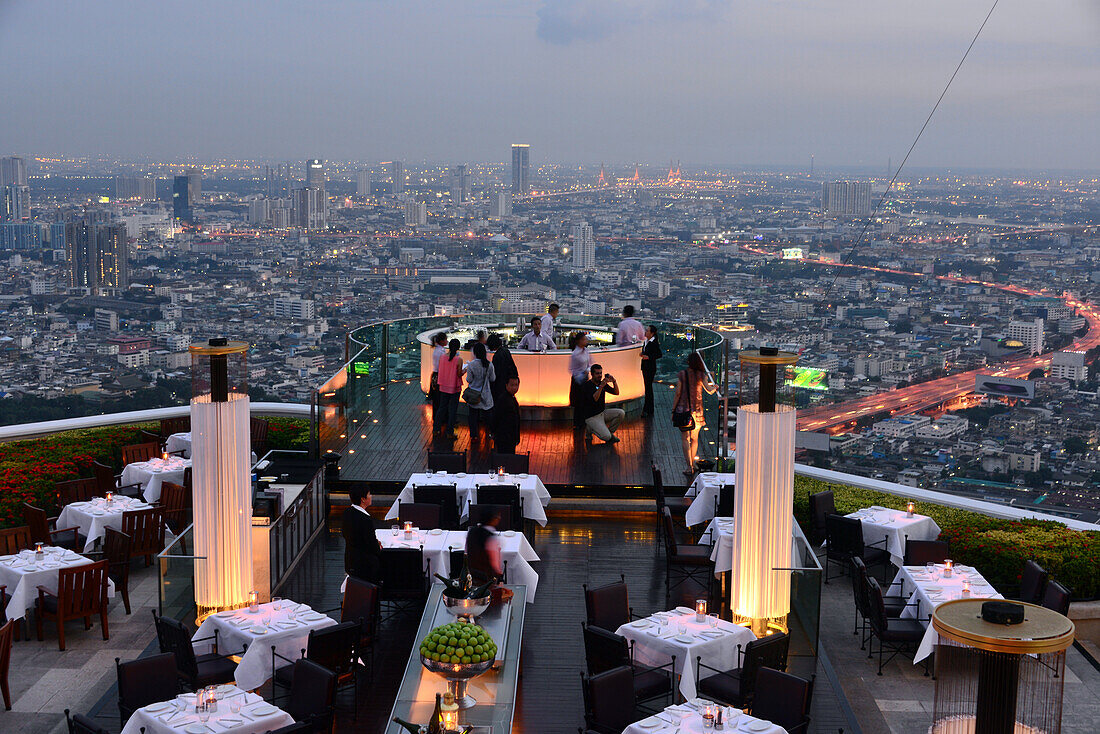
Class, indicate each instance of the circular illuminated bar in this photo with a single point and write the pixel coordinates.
(544, 376)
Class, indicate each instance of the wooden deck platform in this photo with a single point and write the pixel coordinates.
(393, 441)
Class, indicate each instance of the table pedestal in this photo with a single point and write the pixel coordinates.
(995, 704)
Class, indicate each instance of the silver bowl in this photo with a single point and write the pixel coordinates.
(457, 675)
(469, 608)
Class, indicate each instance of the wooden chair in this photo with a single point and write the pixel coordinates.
(140, 452)
(81, 593)
(173, 501)
(75, 490)
(41, 524)
(116, 551)
(107, 481)
(146, 531)
(168, 426)
(13, 540)
(257, 431)
(7, 635)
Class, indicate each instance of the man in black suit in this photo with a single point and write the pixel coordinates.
(483, 551)
(651, 352)
(503, 365)
(362, 551)
(506, 418)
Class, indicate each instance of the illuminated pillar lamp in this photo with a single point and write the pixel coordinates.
(220, 455)
(760, 594)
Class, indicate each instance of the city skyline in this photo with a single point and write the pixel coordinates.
(745, 84)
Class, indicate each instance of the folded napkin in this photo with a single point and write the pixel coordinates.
(685, 610)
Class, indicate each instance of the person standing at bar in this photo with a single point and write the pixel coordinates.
(450, 386)
(651, 352)
(439, 348)
(630, 329)
(548, 321)
(362, 551)
(579, 362)
(503, 365)
(506, 418)
(535, 340)
(479, 391)
(687, 411)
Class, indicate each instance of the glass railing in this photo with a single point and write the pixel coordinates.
(177, 577)
(804, 621)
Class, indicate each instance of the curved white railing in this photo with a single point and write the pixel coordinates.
(43, 428)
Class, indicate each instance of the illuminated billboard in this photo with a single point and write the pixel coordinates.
(1005, 386)
(792, 253)
(806, 378)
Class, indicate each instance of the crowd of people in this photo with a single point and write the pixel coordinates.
(489, 381)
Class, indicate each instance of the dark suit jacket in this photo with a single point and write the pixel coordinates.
(506, 422)
(362, 551)
(505, 368)
(653, 351)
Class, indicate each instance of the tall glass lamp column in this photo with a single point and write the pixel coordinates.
(764, 497)
(220, 455)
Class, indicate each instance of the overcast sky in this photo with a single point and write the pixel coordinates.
(583, 81)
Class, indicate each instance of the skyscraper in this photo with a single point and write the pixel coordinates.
(396, 171)
(520, 165)
(362, 183)
(194, 184)
(584, 246)
(15, 203)
(315, 174)
(98, 255)
(135, 187)
(500, 204)
(846, 198)
(460, 184)
(13, 170)
(181, 200)
(310, 208)
(416, 213)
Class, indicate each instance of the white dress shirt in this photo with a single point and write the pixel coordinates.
(631, 331)
(548, 326)
(535, 342)
(437, 352)
(579, 363)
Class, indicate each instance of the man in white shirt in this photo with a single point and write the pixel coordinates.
(535, 340)
(631, 330)
(548, 321)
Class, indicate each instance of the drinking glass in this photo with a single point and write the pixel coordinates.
(712, 620)
(930, 569)
(395, 529)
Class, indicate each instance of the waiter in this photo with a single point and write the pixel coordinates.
(362, 551)
(506, 418)
(548, 321)
(483, 551)
(630, 329)
(535, 340)
(651, 352)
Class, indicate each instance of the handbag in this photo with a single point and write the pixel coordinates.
(471, 396)
(684, 419)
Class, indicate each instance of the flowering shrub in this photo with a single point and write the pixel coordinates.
(997, 548)
(287, 433)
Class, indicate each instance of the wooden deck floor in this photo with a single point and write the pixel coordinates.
(393, 440)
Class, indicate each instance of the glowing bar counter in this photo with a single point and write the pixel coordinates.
(544, 376)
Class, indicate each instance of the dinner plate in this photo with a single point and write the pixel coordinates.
(436, 531)
(641, 623)
(269, 479)
(258, 630)
(313, 617)
(652, 724)
(156, 708)
(230, 613)
(758, 725)
(98, 513)
(195, 729)
(461, 474)
(686, 639)
(933, 589)
(509, 533)
(28, 569)
(265, 710)
(685, 610)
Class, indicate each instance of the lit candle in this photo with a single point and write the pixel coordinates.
(408, 529)
(948, 564)
(109, 496)
(253, 601)
(500, 471)
(164, 456)
(909, 508)
(708, 716)
(966, 587)
(38, 549)
(700, 610)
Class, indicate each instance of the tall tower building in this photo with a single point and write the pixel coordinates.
(520, 168)
(181, 199)
(194, 184)
(13, 170)
(846, 198)
(584, 246)
(500, 204)
(310, 208)
(416, 213)
(396, 171)
(362, 182)
(1028, 332)
(15, 202)
(135, 187)
(98, 255)
(315, 174)
(460, 184)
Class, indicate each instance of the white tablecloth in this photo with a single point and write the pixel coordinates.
(705, 491)
(179, 442)
(531, 490)
(687, 718)
(238, 712)
(880, 522)
(23, 574)
(241, 627)
(151, 474)
(94, 517)
(514, 549)
(655, 644)
(928, 592)
(719, 536)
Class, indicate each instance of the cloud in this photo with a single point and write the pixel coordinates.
(563, 22)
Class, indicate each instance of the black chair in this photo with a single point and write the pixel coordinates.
(895, 604)
(458, 560)
(1033, 582)
(604, 694)
(404, 580)
(362, 603)
(421, 514)
(481, 513)
(676, 505)
(311, 696)
(845, 542)
(194, 671)
(736, 687)
(446, 497)
(145, 681)
(302, 727)
(333, 648)
(608, 606)
(822, 504)
(897, 635)
(783, 699)
(688, 561)
(503, 495)
(1056, 597)
(81, 724)
(448, 461)
(604, 650)
(920, 552)
(723, 503)
(512, 463)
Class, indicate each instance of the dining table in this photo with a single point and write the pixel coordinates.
(179, 443)
(25, 571)
(687, 718)
(92, 518)
(237, 711)
(678, 632)
(282, 623)
(703, 492)
(928, 586)
(154, 472)
(531, 490)
(896, 527)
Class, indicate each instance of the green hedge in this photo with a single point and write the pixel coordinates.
(287, 433)
(997, 548)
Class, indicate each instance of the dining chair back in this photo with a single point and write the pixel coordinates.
(335, 647)
(104, 478)
(822, 504)
(422, 515)
(512, 463)
(76, 490)
(145, 681)
(81, 594)
(39, 523)
(723, 503)
(608, 699)
(603, 649)
(173, 501)
(920, 552)
(298, 727)
(765, 652)
(7, 635)
(783, 699)
(503, 494)
(361, 603)
(1033, 582)
(174, 639)
(448, 461)
(13, 540)
(446, 496)
(257, 432)
(168, 426)
(607, 606)
(81, 724)
(481, 513)
(1056, 597)
(458, 561)
(312, 694)
(140, 452)
(403, 575)
(146, 531)
(116, 551)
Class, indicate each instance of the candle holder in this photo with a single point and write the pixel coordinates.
(708, 716)
(38, 552)
(966, 588)
(408, 530)
(700, 610)
(500, 472)
(164, 456)
(909, 509)
(448, 711)
(948, 568)
(108, 496)
(253, 601)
